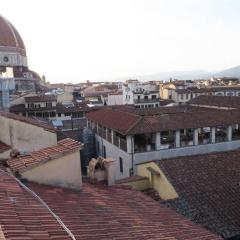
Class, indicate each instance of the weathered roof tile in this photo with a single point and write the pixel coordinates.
(24, 162)
(208, 189)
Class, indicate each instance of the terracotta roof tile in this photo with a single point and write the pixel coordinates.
(208, 89)
(208, 189)
(115, 213)
(115, 119)
(131, 123)
(24, 162)
(95, 212)
(23, 217)
(41, 98)
(216, 101)
(10, 36)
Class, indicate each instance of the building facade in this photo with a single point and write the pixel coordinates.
(14, 72)
(132, 139)
(142, 95)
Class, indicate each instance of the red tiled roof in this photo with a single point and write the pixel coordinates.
(28, 120)
(216, 101)
(24, 162)
(98, 212)
(41, 98)
(167, 110)
(118, 120)
(208, 89)
(4, 147)
(10, 37)
(92, 213)
(186, 120)
(24, 217)
(208, 189)
(130, 123)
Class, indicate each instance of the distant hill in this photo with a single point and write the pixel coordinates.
(181, 75)
(186, 75)
(230, 72)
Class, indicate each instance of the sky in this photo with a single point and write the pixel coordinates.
(105, 40)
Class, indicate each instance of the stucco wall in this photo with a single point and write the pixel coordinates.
(139, 185)
(113, 152)
(65, 97)
(21, 100)
(5, 155)
(191, 150)
(64, 171)
(159, 182)
(23, 136)
(115, 100)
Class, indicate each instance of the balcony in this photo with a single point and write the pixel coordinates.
(152, 100)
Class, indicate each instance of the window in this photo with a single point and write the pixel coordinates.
(230, 94)
(98, 147)
(48, 104)
(182, 96)
(52, 114)
(121, 165)
(104, 151)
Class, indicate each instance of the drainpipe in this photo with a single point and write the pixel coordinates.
(132, 153)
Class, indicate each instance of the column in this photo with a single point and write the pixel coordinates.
(177, 138)
(97, 128)
(195, 136)
(112, 136)
(229, 133)
(129, 144)
(213, 135)
(158, 141)
(106, 133)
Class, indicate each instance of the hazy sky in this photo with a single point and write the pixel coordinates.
(76, 40)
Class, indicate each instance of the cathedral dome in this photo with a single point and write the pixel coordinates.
(12, 49)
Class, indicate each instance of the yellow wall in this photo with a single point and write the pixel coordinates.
(64, 171)
(159, 182)
(164, 90)
(138, 185)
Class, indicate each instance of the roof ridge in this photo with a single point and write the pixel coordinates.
(135, 124)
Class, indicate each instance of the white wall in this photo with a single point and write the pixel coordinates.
(114, 152)
(115, 100)
(185, 151)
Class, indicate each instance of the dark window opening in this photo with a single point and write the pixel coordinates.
(121, 164)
